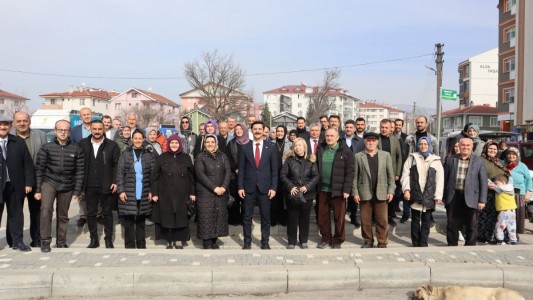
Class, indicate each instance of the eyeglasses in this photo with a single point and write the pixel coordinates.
(62, 130)
(185, 122)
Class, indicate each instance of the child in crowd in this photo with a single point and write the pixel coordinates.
(505, 205)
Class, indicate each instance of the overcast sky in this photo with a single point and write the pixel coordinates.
(155, 38)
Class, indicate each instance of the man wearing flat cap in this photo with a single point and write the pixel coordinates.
(373, 188)
(17, 178)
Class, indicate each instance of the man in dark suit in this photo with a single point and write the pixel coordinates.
(257, 182)
(463, 204)
(16, 180)
(34, 139)
(314, 140)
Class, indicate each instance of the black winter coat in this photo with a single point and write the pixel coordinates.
(297, 172)
(19, 167)
(173, 183)
(109, 153)
(62, 166)
(212, 170)
(343, 171)
(126, 183)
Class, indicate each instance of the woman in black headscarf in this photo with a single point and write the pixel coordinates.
(188, 138)
(232, 151)
(278, 211)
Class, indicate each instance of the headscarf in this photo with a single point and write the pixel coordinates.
(186, 132)
(512, 165)
(293, 131)
(476, 128)
(243, 139)
(494, 160)
(150, 129)
(284, 134)
(208, 135)
(430, 147)
(175, 137)
(215, 126)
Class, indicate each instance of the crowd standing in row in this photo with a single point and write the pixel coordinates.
(229, 168)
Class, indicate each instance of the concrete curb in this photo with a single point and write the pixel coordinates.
(102, 282)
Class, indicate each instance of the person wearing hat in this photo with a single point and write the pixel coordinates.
(373, 189)
(16, 180)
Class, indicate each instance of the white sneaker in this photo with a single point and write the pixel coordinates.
(148, 222)
(461, 237)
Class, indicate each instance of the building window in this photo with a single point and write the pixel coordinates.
(508, 95)
(117, 106)
(82, 101)
(494, 122)
(456, 122)
(446, 123)
(134, 94)
(52, 101)
(476, 120)
(94, 102)
(509, 4)
(2, 100)
(299, 105)
(509, 34)
(509, 64)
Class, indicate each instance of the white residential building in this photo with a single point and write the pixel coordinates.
(295, 100)
(373, 114)
(75, 99)
(11, 103)
(478, 79)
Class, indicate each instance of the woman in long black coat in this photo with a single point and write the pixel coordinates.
(133, 179)
(232, 151)
(213, 173)
(172, 187)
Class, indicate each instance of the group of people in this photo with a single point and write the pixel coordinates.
(228, 169)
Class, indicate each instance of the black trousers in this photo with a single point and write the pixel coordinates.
(250, 199)
(93, 197)
(459, 215)
(15, 216)
(298, 218)
(134, 233)
(352, 207)
(420, 224)
(34, 208)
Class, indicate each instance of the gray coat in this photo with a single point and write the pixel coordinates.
(363, 182)
(38, 138)
(476, 181)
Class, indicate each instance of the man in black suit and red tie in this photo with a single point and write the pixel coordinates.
(257, 183)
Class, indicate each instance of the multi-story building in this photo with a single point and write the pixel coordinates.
(147, 103)
(295, 99)
(373, 113)
(515, 53)
(478, 79)
(75, 99)
(485, 116)
(11, 103)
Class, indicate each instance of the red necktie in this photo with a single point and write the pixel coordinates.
(314, 147)
(257, 154)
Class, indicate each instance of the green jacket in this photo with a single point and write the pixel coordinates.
(362, 182)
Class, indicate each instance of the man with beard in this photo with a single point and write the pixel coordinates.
(301, 131)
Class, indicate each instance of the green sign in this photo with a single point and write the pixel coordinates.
(448, 94)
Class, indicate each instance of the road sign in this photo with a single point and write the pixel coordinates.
(448, 94)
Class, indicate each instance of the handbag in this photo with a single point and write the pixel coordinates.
(297, 199)
(191, 208)
(231, 201)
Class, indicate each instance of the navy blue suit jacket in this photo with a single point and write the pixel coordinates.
(265, 177)
(76, 134)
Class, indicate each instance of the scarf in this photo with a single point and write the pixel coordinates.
(243, 139)
(171, 138)
(494, 160)
(430, 147)
(186, 132)
(216, 142)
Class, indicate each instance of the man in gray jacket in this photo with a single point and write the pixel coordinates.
(465, 193)
(34, 139)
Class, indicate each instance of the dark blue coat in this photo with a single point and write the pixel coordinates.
(265, 177)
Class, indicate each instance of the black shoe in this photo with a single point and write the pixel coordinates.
(94, 244)
(247, 247)
(265, 247)
(45, 247)
(322, 245)
(35, 244)
(22, 247)
(367, 246)
(178, 246)
(336, 246)
(109, 244)
(304, 246)
(81, 222)
(392, 222)
(215, 246)
(61, 246)
(404, 219)
(170, 245)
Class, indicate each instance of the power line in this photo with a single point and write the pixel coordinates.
(176, 78)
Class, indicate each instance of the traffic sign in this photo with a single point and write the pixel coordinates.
(448, 94)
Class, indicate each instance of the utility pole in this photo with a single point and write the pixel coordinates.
(438, 64)
(413, 121)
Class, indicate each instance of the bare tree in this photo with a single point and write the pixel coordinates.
(146, 114)
(15, 106)
(319, 101)
(221, 85)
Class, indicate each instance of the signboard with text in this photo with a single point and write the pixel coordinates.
(448, 94)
